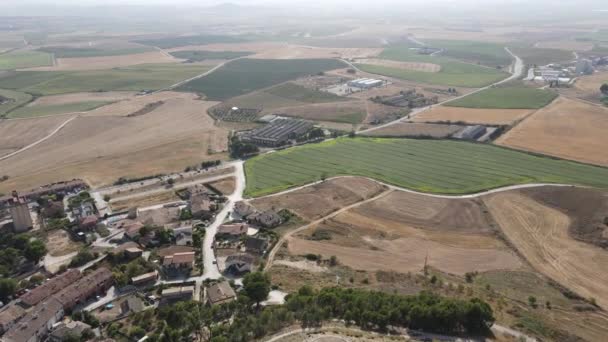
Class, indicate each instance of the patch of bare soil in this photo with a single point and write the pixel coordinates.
(566, 128)
(315, 201)
(472, 115)
(225, 186)
(59, 243)
(587, 209)
(412, 129)
(541, 235)
(146, 201)
(416, 66)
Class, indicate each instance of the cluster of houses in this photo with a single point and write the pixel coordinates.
(38, 313)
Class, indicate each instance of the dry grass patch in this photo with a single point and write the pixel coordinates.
(141, 202)
(315, 201)
(417, 66)
(540, 234)
(225, 186)
(567, 128)
(472, 115)
(16, 134)
(107, 62)
(410, 129)
(173, 136)
(59, 243)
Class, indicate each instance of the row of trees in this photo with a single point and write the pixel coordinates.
(245, 320)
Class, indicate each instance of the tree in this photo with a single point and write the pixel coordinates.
(257, 286)
(34, 251)
(107, 198)
(8, 286)
(604, 89)
(532, 301)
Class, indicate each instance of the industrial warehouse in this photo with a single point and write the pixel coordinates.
(278, 132)
(365, 83)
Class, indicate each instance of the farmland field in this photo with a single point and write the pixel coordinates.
(13, 100)
(81, 52)
(246, 75)
(299, 93)
(472, 115)
(28, 112)
(541, 56)
(352, 112)
(136, 78)
(197, 56)
(16, 134)
(452, 72)
(411, 129)
(24, 59)
(567, 129)
(423, 165)
(490, 54)
(506, 98)
(172, 42)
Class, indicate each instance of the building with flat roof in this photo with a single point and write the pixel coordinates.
(177, 293)
(365, 83)
(145, 278)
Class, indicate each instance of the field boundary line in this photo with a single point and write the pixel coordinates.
(40, 140)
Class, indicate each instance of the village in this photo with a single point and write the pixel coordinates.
(195, 249)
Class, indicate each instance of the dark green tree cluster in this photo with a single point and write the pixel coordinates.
(123, 272)
(14, 248)
(83, 257)
(207, 164)
(239, 149)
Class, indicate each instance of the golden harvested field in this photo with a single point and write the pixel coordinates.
(18, 133)
(412, 129)
(315, 201)
(101, 149)
(587, 87)
(540, 233)
(472, 115)
(54, 100)
(134, 104)
(567, 128)
(426, 67)
(397, 232)
(108, 62)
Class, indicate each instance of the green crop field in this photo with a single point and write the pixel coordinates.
(24, 59)
(12, 99)
(69, 52)
(34, 111)
(434, 166)
(536, 56)
(506, 98)
(246, 75)
(197, 56)
(489, 54)
(177, 41)
(452, 73)
(299, 93)
(135, 78)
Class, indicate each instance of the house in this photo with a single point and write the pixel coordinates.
(256, 245)
(267, 219)
(174, 294)
(201, 206)
(183, 261)
(89, 222)
(91, 284)
(145, 278)
(133, 252)
(9, 315)
(62, 330)
(50, 287)
(37, 323)
(238, 264)
(231, 231)
(220, 293)
(243, 209)
(132, 229)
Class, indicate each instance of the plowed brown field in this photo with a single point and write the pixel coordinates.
(567, 128)
(540, 233)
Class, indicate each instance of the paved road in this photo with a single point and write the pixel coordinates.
(518, 68)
